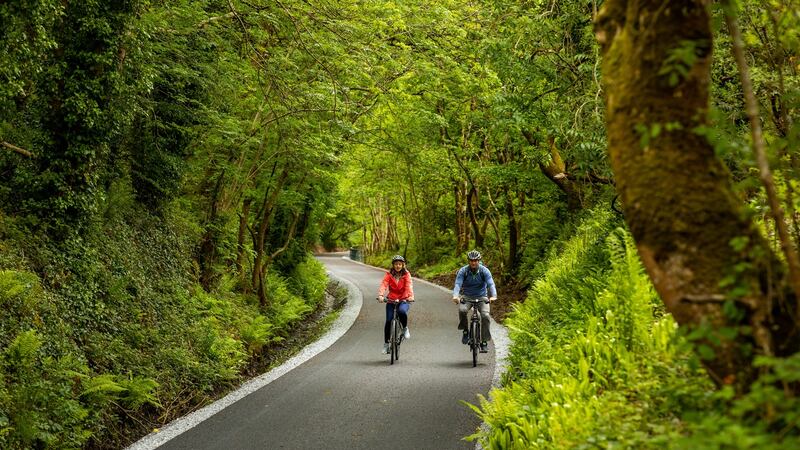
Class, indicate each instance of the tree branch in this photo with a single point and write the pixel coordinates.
(289, 236)
(216, 18)
(759, 147)
(16, 149)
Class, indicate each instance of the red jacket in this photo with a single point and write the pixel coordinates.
(398, 288)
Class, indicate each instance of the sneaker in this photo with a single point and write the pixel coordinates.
(484, 347)
(385, 348)
(465, 337)
(406, 333)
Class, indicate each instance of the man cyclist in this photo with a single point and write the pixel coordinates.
(396, 285)
(473, 281)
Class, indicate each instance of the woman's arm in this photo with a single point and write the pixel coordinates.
(384, 287)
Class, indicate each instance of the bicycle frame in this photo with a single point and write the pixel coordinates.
(395, 331)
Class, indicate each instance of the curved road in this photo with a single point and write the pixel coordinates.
(349, 396)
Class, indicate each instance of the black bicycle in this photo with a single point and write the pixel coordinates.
(474, 329)
(396, 334)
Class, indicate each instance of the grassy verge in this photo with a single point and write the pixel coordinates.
(595, 362)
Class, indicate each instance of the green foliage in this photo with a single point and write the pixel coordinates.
(133, 243)
(594, 359)
(765, 417)
(137, 319)
(309, 281)
(681, 59)
(445, 265)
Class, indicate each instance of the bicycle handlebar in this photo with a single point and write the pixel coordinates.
(461, 300)
(386, 300)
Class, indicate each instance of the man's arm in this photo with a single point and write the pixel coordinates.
(459, 280)
(490, 284)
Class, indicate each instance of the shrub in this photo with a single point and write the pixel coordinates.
(594, 360)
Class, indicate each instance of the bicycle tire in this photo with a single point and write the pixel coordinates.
(398, 338)
(474, 342)
(392, 345)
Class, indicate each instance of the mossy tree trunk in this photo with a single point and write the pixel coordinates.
(693, 235)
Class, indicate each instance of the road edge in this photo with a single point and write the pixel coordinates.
(340, 326)
(499, 336)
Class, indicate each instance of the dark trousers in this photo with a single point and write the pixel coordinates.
(484, 310)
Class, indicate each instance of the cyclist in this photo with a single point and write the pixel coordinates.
(473, 281)
(397, 285)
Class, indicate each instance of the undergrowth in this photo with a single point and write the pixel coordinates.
(110, 337)
(595, 362)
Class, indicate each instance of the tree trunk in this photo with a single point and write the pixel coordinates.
(513, 234)
(556, 171)
(692, 233)
(472, 199)
(462, 230)
(240, 248)
(267, 212)
(208, 246)
(457, 215)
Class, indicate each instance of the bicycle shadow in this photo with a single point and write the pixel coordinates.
(371, 362)
(466, 364)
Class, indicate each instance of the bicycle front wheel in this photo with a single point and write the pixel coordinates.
(392, 342)
(397, 338)
(475, 331)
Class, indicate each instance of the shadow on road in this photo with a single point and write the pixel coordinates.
(372, 363)
(466, 364)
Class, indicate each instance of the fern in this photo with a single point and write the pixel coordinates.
(256, 334)
(591, 349)
(23, 349)
(101, 389)
(139, 392)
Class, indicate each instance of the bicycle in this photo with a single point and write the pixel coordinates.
(474, 341)
(396, 334)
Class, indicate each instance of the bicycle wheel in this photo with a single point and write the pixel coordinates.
(393, 342)
(475, 332)
(398, 338)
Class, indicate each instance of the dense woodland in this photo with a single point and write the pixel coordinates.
(628, 168)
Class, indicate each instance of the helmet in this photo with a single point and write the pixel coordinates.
(473, 255)
(398, 258)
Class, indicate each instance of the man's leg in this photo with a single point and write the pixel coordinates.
(462, 315)
(462, 321)
(484, 309)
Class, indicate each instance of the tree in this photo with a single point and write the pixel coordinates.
(708, 261)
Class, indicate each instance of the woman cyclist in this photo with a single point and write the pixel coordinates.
(395, 286)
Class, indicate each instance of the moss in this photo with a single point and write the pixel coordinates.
(678, 196)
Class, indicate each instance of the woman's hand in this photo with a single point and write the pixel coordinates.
(380, 299)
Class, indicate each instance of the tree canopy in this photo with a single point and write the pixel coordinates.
(625, 168)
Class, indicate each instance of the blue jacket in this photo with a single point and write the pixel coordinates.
(474, 284)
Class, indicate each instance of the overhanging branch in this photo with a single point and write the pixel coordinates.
(16, 149)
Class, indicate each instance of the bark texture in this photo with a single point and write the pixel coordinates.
(679, 202)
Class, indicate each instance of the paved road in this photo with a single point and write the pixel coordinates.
(349, 396)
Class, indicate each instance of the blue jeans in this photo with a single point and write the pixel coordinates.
(402, 312)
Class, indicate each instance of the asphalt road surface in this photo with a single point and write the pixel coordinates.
(349, 396)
